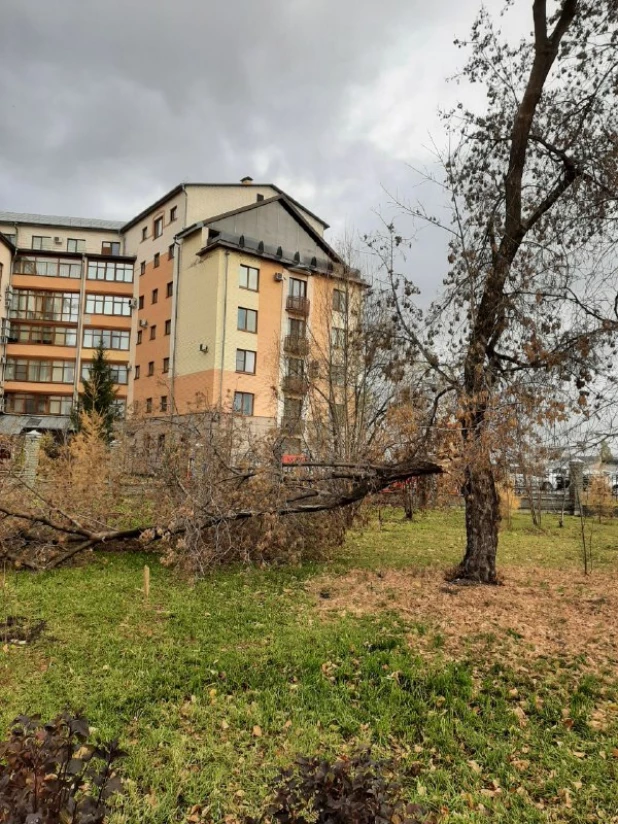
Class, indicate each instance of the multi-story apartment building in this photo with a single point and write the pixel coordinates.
(213, 296)
(67, 285)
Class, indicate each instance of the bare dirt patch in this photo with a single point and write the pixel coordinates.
(550, 612)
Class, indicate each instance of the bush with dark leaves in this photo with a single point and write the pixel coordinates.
(50, 774)
(355, 790)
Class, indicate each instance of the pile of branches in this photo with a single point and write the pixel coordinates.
(212, 505)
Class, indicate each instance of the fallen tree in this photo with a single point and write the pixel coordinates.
(302, 489)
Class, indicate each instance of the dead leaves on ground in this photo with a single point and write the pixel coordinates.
(549, 613)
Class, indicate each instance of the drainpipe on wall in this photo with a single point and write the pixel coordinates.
(227, 265)
(283, 320)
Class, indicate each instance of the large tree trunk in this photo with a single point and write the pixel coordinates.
(482, 521)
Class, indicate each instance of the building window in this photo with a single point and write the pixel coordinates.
(337, 337)
(110, 271)
(108, 305)
(297, 328)
(156, 261)
(158, 227)
(248, 278)
(170, 289)
(243, 403)
(48, 267)
(337, 373)
(155, 295)
(170, 252)
(166, 365)
(40, 242)
(142, 268)
(150, 368)
(75, 245)
(163, 406)
(108, 338)
(245, 361)
(140, 302)
(298, 288)
(110, 248)
(119, 405)
(39, 371)
(153, 333)
(247, 319)
(295, 368)
(139, 336)
(173, 213)
(339, 301)
(119, 372)
(45, 335)
(136, 373)
(39, 404)
(168, 327)
(148, 404)
(144, 232)
(37, 305)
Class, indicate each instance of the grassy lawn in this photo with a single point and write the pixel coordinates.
(212, 687)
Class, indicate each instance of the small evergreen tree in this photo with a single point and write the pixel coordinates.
(99, 395)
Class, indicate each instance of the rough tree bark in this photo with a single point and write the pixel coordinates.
(482, 520)
(490, 323)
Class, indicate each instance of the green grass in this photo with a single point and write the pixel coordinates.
(438, 538)
(185, 679)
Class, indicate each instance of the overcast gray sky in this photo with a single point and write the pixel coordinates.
(106, 105)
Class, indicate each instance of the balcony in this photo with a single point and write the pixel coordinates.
(295, 384)
(296, 345)
(297, 304)
(291, 425)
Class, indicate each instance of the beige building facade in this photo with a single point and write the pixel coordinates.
(215, 296)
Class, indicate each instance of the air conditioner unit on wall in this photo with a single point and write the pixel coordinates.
(57, 239)
(143, 323)
(278, 276)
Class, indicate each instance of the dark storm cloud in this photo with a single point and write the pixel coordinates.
(107, 105)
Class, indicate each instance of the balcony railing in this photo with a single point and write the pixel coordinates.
(296, 345)
(295, 384)
(297, 304)
(291, 425)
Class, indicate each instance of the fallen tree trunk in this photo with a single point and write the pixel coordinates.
(308, 494)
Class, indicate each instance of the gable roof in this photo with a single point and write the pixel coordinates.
(287, 205)
(57, 220)
(182, 186)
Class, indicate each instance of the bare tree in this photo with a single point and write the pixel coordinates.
(530, 297)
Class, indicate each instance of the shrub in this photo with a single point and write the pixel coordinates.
(50, 774)
(355, 790)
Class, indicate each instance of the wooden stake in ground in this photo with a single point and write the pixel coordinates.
(146, 582)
